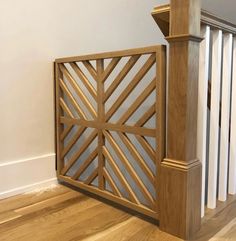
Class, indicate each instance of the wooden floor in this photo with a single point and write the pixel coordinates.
(63, 214)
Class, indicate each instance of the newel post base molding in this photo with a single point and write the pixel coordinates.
(180, 197)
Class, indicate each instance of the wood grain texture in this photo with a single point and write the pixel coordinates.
(101, 119)
(141, 131)
(108, 55)
(180, 172)
(111, 197)
(216, 219)
(183, 218)
(226, 234)
(160, 119)
(56, 215)
(186, 12)
(182, 100)
(61, 213)
(161, 15)
(59, 127)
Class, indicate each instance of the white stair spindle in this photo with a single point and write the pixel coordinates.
(225, 112)
(202, 106)
(232, 162)
(214, 117)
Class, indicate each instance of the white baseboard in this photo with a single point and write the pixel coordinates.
(25, 175)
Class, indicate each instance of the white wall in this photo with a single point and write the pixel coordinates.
(32, 35)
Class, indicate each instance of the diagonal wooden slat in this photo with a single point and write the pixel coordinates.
(66, 132)
(91, 178)
(72, 99)
(78, 90)
(151, 153)
(85, 145)
(120, 176)
(90, 69)
(122, 74)
(111, 66)
(73, 141)
(84, 79)
(66, 108)
(85, 164)
(146, 116)
(69, 127)
(130, 169)
(112, 184)
(138, 77)
(133, 151)
(141, 98)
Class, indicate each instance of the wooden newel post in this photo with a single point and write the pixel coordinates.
(180, 174)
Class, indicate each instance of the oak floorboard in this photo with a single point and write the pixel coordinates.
(212, 225)
(228, 233)
(63, 214)
(47, 203)
(8, 216)
(19, 201)
(133, 229)
(40, 224)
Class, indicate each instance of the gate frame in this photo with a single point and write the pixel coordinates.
(159, 52)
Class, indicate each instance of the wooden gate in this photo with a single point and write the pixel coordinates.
(110, 117)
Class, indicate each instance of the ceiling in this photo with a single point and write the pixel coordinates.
(223, 8)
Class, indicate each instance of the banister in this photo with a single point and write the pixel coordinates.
(180, 171)
(161, 15)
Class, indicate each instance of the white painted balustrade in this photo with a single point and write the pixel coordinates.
(217, 116)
